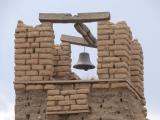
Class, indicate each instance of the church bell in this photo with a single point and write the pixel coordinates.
(84, 62)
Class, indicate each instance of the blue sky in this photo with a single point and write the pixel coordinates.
(141, 15)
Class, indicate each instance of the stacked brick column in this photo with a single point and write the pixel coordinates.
(62, 61)
(113, 50)
(136, 67)
(34, 52)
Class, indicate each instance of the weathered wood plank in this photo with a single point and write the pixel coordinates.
(68, 18)
(85, 32)
(76, 41)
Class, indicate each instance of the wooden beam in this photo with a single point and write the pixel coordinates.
(68, 18)
(76, 40)
(85, 32)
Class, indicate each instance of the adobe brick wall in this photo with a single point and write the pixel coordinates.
(43, 75)
(113, 50)
(62, 61)
(34, 52)
(136, 66)
(81, 100)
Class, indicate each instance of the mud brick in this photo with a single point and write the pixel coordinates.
(31, 73)
(45, 72)
(62, 68)
(19, 86)
(103, 37)
(37, 67)
(34, 87)
(44, 39)
(62, 74)
(105, 31)
(46, 78)
(30, 40)
(49, 67)
(68, 92)
(54, 108)
(66, 97)
(121, 42)
(32, 61)
(121, 65)
(44, 28)
(67, 102)
(34, 45)
(21, 35)
(105, 42)
(64, 62)
(111, 59)
(50, 56)
(22, 78)
(100, 85)
(21, 29)
(46, 34)
(104, 70)
(103, 53)
(36, 78)
(20, 40)
(43, 50)
(45, 62)
(121, 76)
(118, 70)
(34, 56)
(82, 86)
(65, 58)
(103, 76)
(22, 56)
(33, 34)
(20, 51)
(79, 107)
(81, 91)
(22, 45)
(78, 96)
(107, 65)
(117, 85)
(53, 92)
(20, 73)
(50, 103)
(29, 50)
(49, 87)
(20, 62)
(67, 107)
(82, 101)
(22, 67)
(46, 45)
(55, 97)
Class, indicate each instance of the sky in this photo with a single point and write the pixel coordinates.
(141, 15)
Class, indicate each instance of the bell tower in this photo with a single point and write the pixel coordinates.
(47, 89)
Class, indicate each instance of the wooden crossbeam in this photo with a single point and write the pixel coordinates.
(76, 40)
(68, 18)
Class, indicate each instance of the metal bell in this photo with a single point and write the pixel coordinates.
(84, 62)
